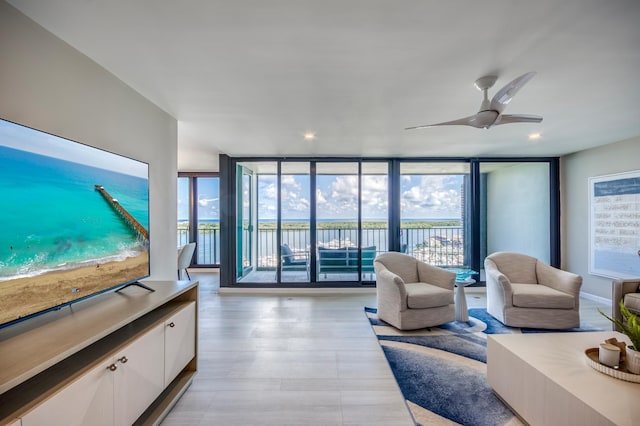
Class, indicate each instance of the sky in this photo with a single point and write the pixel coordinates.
(208, 198)
(422, 197)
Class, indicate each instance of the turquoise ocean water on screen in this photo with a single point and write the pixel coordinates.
(52, 217)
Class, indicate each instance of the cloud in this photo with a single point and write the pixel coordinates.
(206, 201)
(431, 196)
(290, 182)
(424, 196)
(375, 197)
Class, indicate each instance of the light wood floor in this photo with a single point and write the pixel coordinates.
(296, 360)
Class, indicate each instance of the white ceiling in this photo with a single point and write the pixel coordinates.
(250, 77)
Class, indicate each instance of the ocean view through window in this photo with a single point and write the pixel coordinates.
(326, 221)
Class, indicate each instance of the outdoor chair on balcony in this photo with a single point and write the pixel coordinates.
(525, 292)
(293, 261)
(412, 294)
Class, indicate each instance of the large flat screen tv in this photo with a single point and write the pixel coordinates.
(74, 222)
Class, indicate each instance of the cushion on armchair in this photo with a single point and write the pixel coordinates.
(517, 267)
(540, 296)
(405, 267)
(420, 296)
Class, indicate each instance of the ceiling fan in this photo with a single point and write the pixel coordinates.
(490, 113)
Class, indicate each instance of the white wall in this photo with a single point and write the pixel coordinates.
(518, 210)
(194, 155)
(576, 170)
(47, 85)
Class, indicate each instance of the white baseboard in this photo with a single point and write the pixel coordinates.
(593, 297)
(207, 270)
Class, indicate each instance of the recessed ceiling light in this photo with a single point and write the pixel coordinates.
(534, 136)
(309, 136)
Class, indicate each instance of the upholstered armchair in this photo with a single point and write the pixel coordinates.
(627, 291)
(525, 292)
(412, 294)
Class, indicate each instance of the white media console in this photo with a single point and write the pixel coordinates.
(115, 359)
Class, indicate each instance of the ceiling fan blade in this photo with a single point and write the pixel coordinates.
(504, 95)
(518, 118)
(467, 121)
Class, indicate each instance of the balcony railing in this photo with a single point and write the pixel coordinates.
(208, 244)
(441, 246)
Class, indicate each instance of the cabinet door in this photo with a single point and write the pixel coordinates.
(180, 341)
(86, 401)
(140, 375)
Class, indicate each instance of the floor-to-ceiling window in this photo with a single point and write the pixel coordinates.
(295, 214)
(337, 215)
(199, 215)
(318, 221)
(374, 201)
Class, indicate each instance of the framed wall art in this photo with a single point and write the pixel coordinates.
(614, 225)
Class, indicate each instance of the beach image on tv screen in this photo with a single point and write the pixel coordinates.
(74, 220)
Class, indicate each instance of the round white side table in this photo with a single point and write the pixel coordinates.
(462, 312)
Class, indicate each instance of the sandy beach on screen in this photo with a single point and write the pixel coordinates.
(24, 296)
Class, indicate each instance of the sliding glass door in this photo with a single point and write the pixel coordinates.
(295, 214)
(337, 221)
(432, 212)
(245, 224)
(374, 201)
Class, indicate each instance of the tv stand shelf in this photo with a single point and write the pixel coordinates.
(44, 354)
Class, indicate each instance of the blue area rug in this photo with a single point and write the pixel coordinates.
(441, 371)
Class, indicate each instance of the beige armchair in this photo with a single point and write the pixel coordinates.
(525, 292)
(627, 290)
(412, 294)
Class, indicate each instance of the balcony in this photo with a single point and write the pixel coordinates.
(436, 245)
(208, 242)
